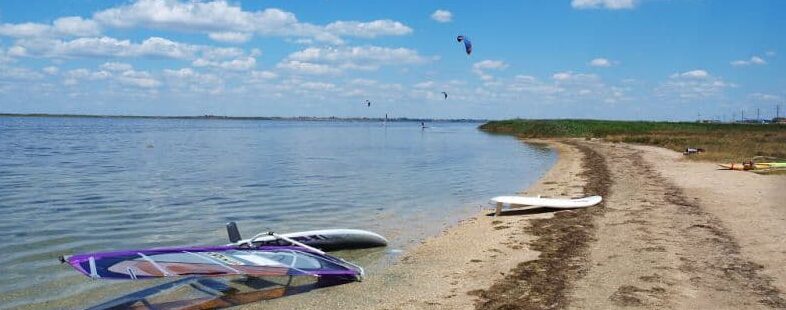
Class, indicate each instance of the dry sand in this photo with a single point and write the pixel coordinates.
(670, 233)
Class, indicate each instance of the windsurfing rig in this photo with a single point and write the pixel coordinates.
(248, 260)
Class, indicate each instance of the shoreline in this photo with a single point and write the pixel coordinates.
(469, 256)
(663, 237)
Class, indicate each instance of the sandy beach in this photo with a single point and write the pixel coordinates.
(671, 233)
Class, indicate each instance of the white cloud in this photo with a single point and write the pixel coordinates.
(189, 81)
(604, 4)
(24, 30)
(263, 75)
(695, 84)
(239, 64)
(140, 79)
(230, 37)
(73, 77)
(693, 74)
(116, 66)
(371, 29)
(51, 70)
(442, 16)
(531, 85)
(332, 60)
(65, 26)
(770, 53)
(425, 85)
(17, 51)
(76, 26)
(602, 62)
(570, 76)
(754, 60)
(203, 56)
(764, 97)
(18, 73)
(322, 86)
(215, 17)
(480, 68)
(307, 67)
(490, 64)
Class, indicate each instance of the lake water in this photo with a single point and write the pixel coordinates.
(71, 185)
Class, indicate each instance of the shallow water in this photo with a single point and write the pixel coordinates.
(72, 185)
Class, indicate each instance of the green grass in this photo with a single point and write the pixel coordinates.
(723, 142)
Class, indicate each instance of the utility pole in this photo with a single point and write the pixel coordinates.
(757, 115)
(742, 115)
(777, 110)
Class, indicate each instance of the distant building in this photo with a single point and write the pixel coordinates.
(779, 120)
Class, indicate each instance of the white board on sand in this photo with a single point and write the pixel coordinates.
(538, 202)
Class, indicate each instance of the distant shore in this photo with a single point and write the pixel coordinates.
(253, 118)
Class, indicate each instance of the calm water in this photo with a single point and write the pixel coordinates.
(72, 185)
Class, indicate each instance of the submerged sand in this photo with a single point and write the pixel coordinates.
(671, 233)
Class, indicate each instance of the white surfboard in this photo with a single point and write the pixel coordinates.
(538, 202)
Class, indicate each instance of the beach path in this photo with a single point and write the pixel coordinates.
(683, 235)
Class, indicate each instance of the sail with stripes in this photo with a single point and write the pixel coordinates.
(211, 261)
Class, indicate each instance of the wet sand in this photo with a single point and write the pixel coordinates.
(670, 233)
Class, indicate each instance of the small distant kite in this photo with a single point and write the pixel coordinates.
(445, 94)
(368, 103)
(467, 43)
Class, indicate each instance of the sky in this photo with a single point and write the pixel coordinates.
(605, 59)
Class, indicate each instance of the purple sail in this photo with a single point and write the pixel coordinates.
(210, 261)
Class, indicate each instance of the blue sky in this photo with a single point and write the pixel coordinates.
(609, 59)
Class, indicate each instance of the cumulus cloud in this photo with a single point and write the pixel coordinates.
(570, 76)
(19, 74)
(694, 84)
(296, 66)
(332, 60)
(116, 66)
(140, 79)
(192, 81)
(51, 70)
(74, 26)
(239, 64)
(220, 18)
(604, 4)
(230, 37)
(371, 29)
(442, 16)
(200, 55)
(120, 73)
(754, 60)
(693, 74)
(264, 75)
(481, 68)
(602, 62)
(531, 85)
(24, 30)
